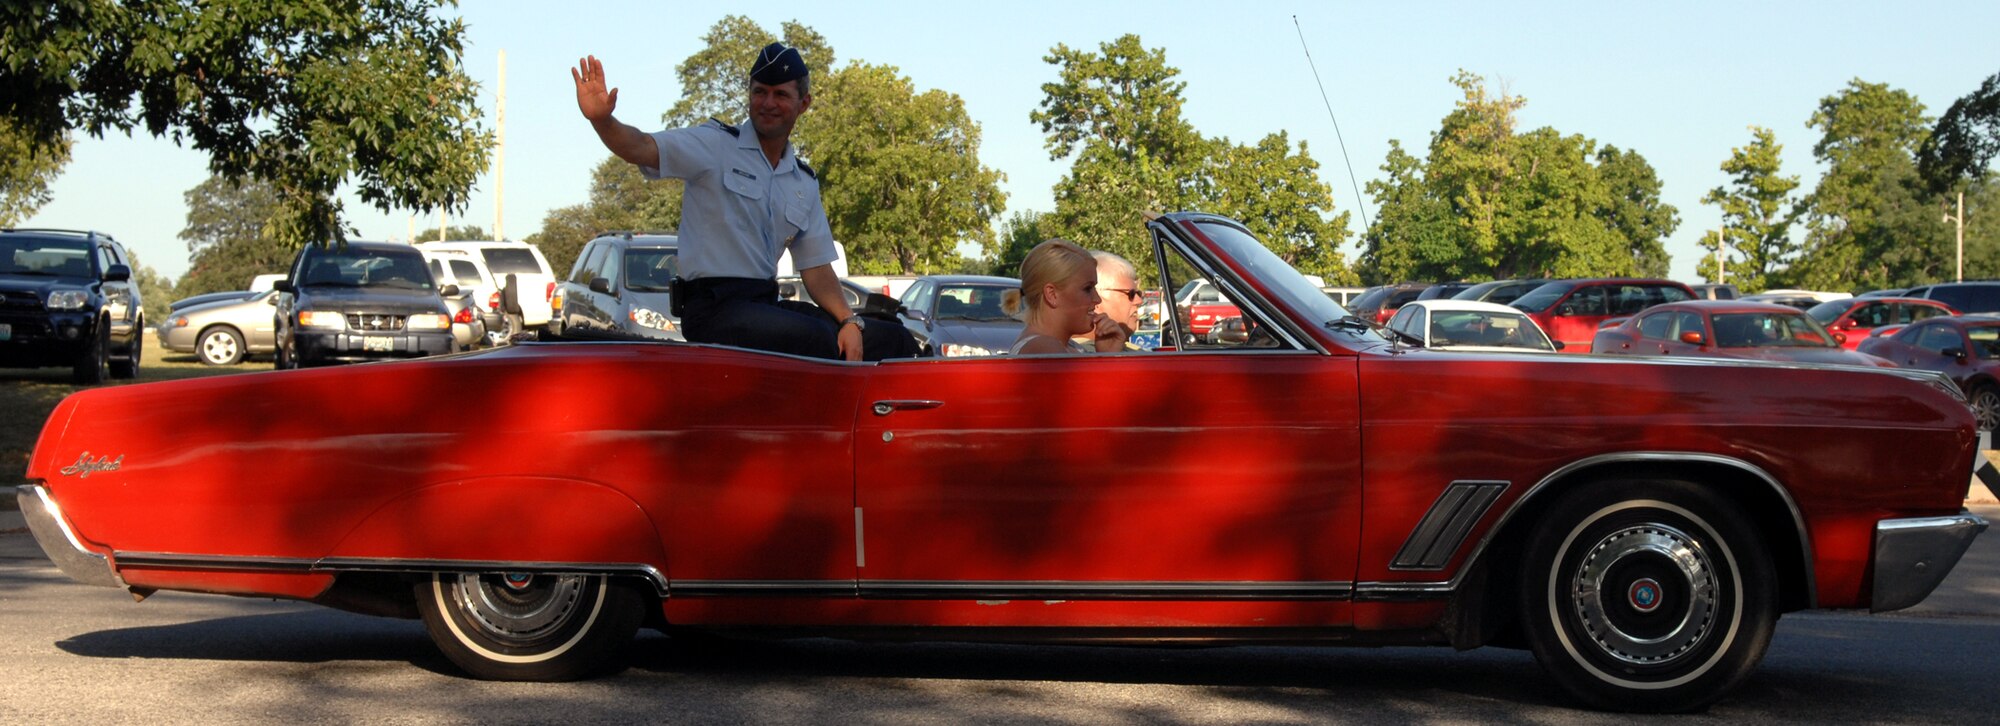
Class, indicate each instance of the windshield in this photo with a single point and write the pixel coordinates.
(1285, 283)
(977, 303)
(54, 257)
(1482, 328)
(651, 269)
(355, 267)
(1769, 330)
(1370, 300)
(505, 261)
(1827, 312)
(1542, 298)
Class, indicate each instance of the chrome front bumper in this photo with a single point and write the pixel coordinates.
(60, 543)
(1913, 555)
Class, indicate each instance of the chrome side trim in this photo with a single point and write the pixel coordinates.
(1102, 590)
(52, 531)
(860, 545)
(1791, 505)
(300, 565)
(1444, 528)
(1912, 556)
(763, 588)
(1403, 591)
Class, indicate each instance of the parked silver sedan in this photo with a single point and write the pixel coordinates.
(224, 332)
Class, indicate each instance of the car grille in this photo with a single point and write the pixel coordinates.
(374, 321)
(20, 300)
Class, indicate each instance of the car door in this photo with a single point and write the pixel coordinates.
(121, 298)
(1576, 318)
(1939, 347)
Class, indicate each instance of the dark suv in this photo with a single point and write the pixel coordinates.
(1967, 297)
(360, 301)
(67, 299)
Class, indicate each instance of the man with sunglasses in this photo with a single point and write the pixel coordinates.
(1118, 288)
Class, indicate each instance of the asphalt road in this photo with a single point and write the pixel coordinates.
(73, 653)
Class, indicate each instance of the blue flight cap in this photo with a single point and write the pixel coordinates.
(778, 63)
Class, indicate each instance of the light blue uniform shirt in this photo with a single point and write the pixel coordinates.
(739, 213)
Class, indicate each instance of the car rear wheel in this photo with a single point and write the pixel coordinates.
(1648, 595)
(93, 366)
(220, 346)
(519, 626)
(1986, 406)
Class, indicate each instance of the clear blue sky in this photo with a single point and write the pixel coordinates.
(1678, 82)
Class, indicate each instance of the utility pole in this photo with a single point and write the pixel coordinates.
(500, 151)
(1721, 270)
(1959, 222)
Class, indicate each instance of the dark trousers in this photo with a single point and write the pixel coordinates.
(746, 312)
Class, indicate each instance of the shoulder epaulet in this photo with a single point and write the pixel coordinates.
(733, 131)
(808, 170)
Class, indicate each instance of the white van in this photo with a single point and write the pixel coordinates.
(535, 283)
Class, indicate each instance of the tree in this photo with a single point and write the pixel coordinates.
(900, 172)
(1117, 114)
(1869, 134)
(1489, 202)
(156, 291)
(1965, 140)
(303, 95)
(229, 237)
(1018, 235)
(453, 232)
(715, 80)
(1756, 215)
(27, 166)
(619, 200)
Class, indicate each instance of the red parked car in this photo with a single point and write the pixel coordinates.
(1202, 305)
(1729, 329)
(1590, 509)
(1572, 310)
(1965, 348)
(1857, 317)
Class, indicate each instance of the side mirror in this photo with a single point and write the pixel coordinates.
(284, 286)
(1848, 324)
(1957, 354)
(917, 315)
(600, 285)
(118, 273)
(1839, 338)
(1692, 337)
(448, 291)
(1566, 310)
(1558, 344)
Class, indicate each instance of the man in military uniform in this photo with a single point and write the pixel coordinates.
(749, 198)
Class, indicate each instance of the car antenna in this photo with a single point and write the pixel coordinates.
(1359, 203)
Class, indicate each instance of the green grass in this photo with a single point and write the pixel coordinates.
(27, 395)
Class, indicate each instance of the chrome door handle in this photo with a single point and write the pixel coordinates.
(884, 408)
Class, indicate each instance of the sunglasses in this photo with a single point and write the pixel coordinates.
(1131, 295)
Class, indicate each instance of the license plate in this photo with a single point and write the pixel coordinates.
(378, 344)
(6, 331)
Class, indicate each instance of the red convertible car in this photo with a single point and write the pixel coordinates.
(1639, 524)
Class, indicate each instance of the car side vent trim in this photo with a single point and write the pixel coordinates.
(1444, 528)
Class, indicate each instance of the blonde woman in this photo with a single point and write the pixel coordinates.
(1058, 299)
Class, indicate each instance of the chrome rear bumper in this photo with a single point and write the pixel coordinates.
(1913, 555)
(60, 543)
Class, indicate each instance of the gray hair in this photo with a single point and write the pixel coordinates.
(1111, 261)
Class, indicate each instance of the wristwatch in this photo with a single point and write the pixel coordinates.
(856, 320)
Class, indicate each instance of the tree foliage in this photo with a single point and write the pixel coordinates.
(1490, 202)
(1117, 113)
(619, 200)
(228, 235)
(900, 172)
(1869, 134)
(305, 95)
(1757, 215)
(1965, 140)
(1018, 235)
(27, 167)
(453, 232)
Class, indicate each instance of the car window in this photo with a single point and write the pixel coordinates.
(1910, 312)
(1207, 293)
(918, 297)
(1179, 270)
(978, 303)
(1672, 294)
(1758, 330)
(1405, 321)
(1540, 298)
(1870, 315)
(1658, 326)
(1827, 312)
(504, 261)
(1985, 341)
(1937, 338)
(437, 271)
(1370, 299)
(1587, 301)
(1971, 298)
(607, 265)
(586, 264)
(466, 273)
(651, 269)
(1687, 322)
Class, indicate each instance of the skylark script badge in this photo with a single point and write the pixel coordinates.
(85, 465)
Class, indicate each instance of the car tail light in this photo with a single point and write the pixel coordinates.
(464, 316)
(551, 294)
(1383, 315)
(493, 301)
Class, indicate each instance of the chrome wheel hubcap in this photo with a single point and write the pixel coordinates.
(1646, 594)
(519, 608)
(218, 347)
(1986, 407)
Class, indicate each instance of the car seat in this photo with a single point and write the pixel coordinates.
(323, 271)
(950, 307)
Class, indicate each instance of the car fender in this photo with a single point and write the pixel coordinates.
(494, 521)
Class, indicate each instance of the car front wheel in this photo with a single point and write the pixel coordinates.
(93, 366)
(1648, 595)
(220, 347)
(1986, 406)
(519, 626)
